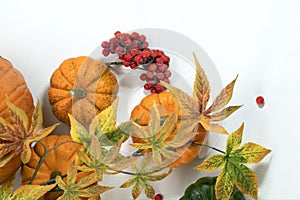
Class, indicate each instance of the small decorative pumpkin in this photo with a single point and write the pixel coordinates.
(55, 163)
(13, 86)
(141, 114)
(82, 87)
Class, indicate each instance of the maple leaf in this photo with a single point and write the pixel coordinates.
(143, 174)
(194, 109)
(16, 137)
(102, 161)
(234, 172)
(30, 192)
(85, 187)
(103, 126)
(161, 140)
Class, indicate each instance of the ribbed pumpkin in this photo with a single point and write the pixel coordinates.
(141, 114)
(82, 87)
(56, 162)
(12, 85)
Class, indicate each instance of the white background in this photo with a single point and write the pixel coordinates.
(259, 40)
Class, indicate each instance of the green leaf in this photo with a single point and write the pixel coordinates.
(201, 86)
(212, 163)
(222, 99)
(234, 172)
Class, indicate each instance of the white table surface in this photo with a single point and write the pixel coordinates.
(259, 40)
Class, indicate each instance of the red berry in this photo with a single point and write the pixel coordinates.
(119, 50)
(135, 44)
(159, 87)
(142, 37)
(134, 52)
(159, 60)
(158, 197)
(160, 76)
(127, 43)
(128, 57)
(146, 54)
(148, 86)
(153, 90)
(150, 75)
(167, 73)
(152, 67)
(260, 100)
(166, 80)
(117, 33)
(105, 45)
(133, 65)
(163, 67)
(126, 63)
(105, 52)
(135, 35)
(138, 59)
(165, 58)
(143, 77)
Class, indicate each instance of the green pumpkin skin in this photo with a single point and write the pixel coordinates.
(204, 189)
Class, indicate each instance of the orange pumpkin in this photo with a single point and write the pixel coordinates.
(55, 163)
(12, 85)
(82, 87)
(141, 114)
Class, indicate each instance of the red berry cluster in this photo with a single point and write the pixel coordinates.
(133, 50)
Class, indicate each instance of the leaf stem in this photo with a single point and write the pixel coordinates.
(44, 156)
(205, 145)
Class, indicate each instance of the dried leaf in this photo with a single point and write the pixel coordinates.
(234, 172)
(31, 192)
(201, 86)
(19, 135)
(85, 187)
(224, 113)
(222, 99)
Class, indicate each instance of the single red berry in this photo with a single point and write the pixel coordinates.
(158, 197)
(143, 77)
(126, 63)
(117, 33)
(166, 80)
(159, 87)
(167, 73)
(105, 44)
(135, 44)
(145, 45)
(160, 76)
(133, 65)
(138, 59)
(260, 100)
(166, 59)
(150, 75)
(134, 52)
(163, 67)
(105, 52)
(127, 43)
(128, 57)
(146, 54)
(112, 46)
(153, 90)
(152, 67)
(119, 50)
(153, 53)
(142, 37)
(148, 86)
(159, 60)
(135, 35)
(121, 56)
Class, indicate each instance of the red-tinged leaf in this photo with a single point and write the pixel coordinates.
(224, 113)
(31, 192)
(225, 182)
(222, 99)
(246, 180)
(201, 86)
(189, 107)
(251, 153)
(234, 139)
(212, 163)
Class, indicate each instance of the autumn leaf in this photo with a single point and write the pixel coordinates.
(194, 109)
(143, 173)
(102, 161)
(103, 126)
(16, 137)
(234, 172)
(159, 140)
(30, 192)
(85, 187)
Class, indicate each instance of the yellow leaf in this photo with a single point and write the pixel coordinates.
(211, 163)
(78, 132)
(37, 118)
(201, 86)
(31, 192)
(234, 139)
(224, 113)
(224, 183)
(222, 99)
(107, 118)
(251, 153)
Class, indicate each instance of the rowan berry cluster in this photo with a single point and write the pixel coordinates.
(134, 52)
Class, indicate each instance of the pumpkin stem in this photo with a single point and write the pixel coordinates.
(79, 93)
